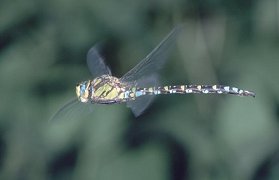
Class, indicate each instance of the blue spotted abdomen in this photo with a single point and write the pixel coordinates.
(190, 89)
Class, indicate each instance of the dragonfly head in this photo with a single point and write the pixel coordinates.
(82, 91)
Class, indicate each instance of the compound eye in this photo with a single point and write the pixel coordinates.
(82, 88)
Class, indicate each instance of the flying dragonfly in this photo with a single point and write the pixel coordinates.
(138, 86)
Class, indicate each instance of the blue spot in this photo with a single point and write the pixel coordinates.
(82, 88)
(138, 93)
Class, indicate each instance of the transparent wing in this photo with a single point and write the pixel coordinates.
(154, 60)
(73, 110)
(141, 103)
(96, 63)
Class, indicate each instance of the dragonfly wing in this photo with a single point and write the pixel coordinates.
(96, 63)
(73, 110)
(155, 59)
(141, 103)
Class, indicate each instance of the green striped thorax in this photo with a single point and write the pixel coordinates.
(105, 89)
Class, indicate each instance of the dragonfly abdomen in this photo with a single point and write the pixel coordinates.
(192, 89)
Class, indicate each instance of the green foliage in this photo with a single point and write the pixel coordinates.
(43, 45)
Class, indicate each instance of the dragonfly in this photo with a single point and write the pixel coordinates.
(138, 86)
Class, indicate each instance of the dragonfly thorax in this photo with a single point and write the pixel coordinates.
(104, 89)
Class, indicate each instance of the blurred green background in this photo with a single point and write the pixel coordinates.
(43, 46)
